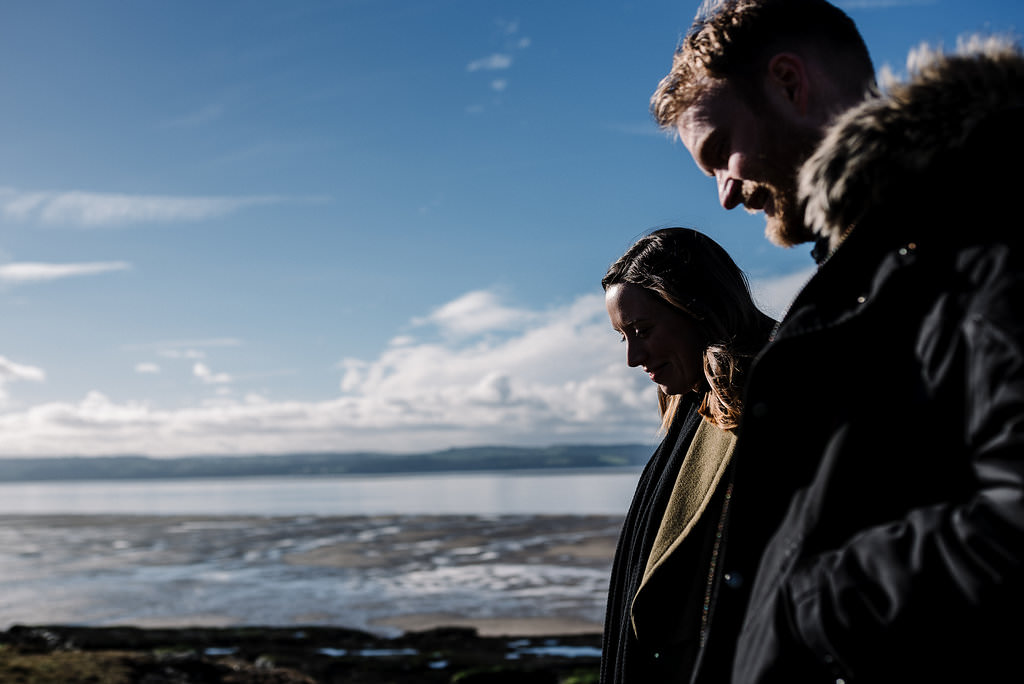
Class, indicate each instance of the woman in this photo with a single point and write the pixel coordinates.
(685, 312)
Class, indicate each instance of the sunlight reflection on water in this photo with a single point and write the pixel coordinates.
(564, 492)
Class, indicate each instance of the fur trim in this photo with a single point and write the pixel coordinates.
(873, 146)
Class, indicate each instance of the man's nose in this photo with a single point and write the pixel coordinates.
(730, 192)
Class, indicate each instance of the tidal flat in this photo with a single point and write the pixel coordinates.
(442, 595)
(508, 574)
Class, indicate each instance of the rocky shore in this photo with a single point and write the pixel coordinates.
(55, 654)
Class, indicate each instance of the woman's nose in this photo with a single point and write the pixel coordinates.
(634, 353)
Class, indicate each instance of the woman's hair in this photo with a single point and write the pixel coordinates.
(693, 274)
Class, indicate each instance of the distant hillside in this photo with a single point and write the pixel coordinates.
(486, 458)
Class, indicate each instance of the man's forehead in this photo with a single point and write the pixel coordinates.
(714, 101)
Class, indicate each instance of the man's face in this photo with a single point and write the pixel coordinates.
(754, 157)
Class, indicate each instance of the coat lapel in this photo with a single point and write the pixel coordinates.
(699, 475)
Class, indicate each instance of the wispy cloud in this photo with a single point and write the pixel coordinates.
(193, 351)
(189, 354)
(645, 128)
(96, 209)
(197, 118)
(207, 376)
(884, 4)
(775, 294)
(490, 63)
(509, 42)
(183, 348)
(32, 272)
(14, 372)
(9, 371)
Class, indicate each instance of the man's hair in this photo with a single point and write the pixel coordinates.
(735, 39)
(694, 275)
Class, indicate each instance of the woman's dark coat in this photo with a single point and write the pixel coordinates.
(660, 572)
(880, 464)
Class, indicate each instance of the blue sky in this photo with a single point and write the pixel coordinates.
(261, 227)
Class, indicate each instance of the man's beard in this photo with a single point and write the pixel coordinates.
(786, 226)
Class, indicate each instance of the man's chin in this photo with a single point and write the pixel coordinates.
(786, 233)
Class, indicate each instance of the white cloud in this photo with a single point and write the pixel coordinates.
(184, 349)
(510, 42)
(9, 371)
(775, 294)
(197, 118)
(14, 372)
(493, 62)
(147, 368)
(203, 372)
(508, 26)
(479, 371)
(94, 209)
(883, 4)
(498, 375)
(25, 272)
(182, 354)
(475, 312)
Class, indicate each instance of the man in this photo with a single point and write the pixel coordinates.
(752, 109)
(876, 524)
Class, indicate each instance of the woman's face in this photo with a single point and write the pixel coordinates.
(659, 337)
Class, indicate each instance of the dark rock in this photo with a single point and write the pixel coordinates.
(295, 655)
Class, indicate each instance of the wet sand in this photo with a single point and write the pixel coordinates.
(502, 575)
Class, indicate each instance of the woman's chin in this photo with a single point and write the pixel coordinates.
(675, 391)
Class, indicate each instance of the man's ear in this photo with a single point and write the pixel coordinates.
(788, 80)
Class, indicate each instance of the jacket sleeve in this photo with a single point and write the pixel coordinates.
(939, 590)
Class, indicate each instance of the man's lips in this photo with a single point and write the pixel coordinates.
(760, 200)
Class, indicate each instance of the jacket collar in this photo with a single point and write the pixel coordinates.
(870, 151)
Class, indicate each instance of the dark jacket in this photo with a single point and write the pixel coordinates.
(876, 532)
(660, 572)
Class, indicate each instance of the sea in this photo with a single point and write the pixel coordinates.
(570, 491)
(379, 553)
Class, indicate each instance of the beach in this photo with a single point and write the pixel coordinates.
(385, 577)
(507, 574)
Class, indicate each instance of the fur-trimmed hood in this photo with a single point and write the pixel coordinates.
(910, 128)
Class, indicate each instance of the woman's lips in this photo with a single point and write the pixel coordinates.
(653, 374)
